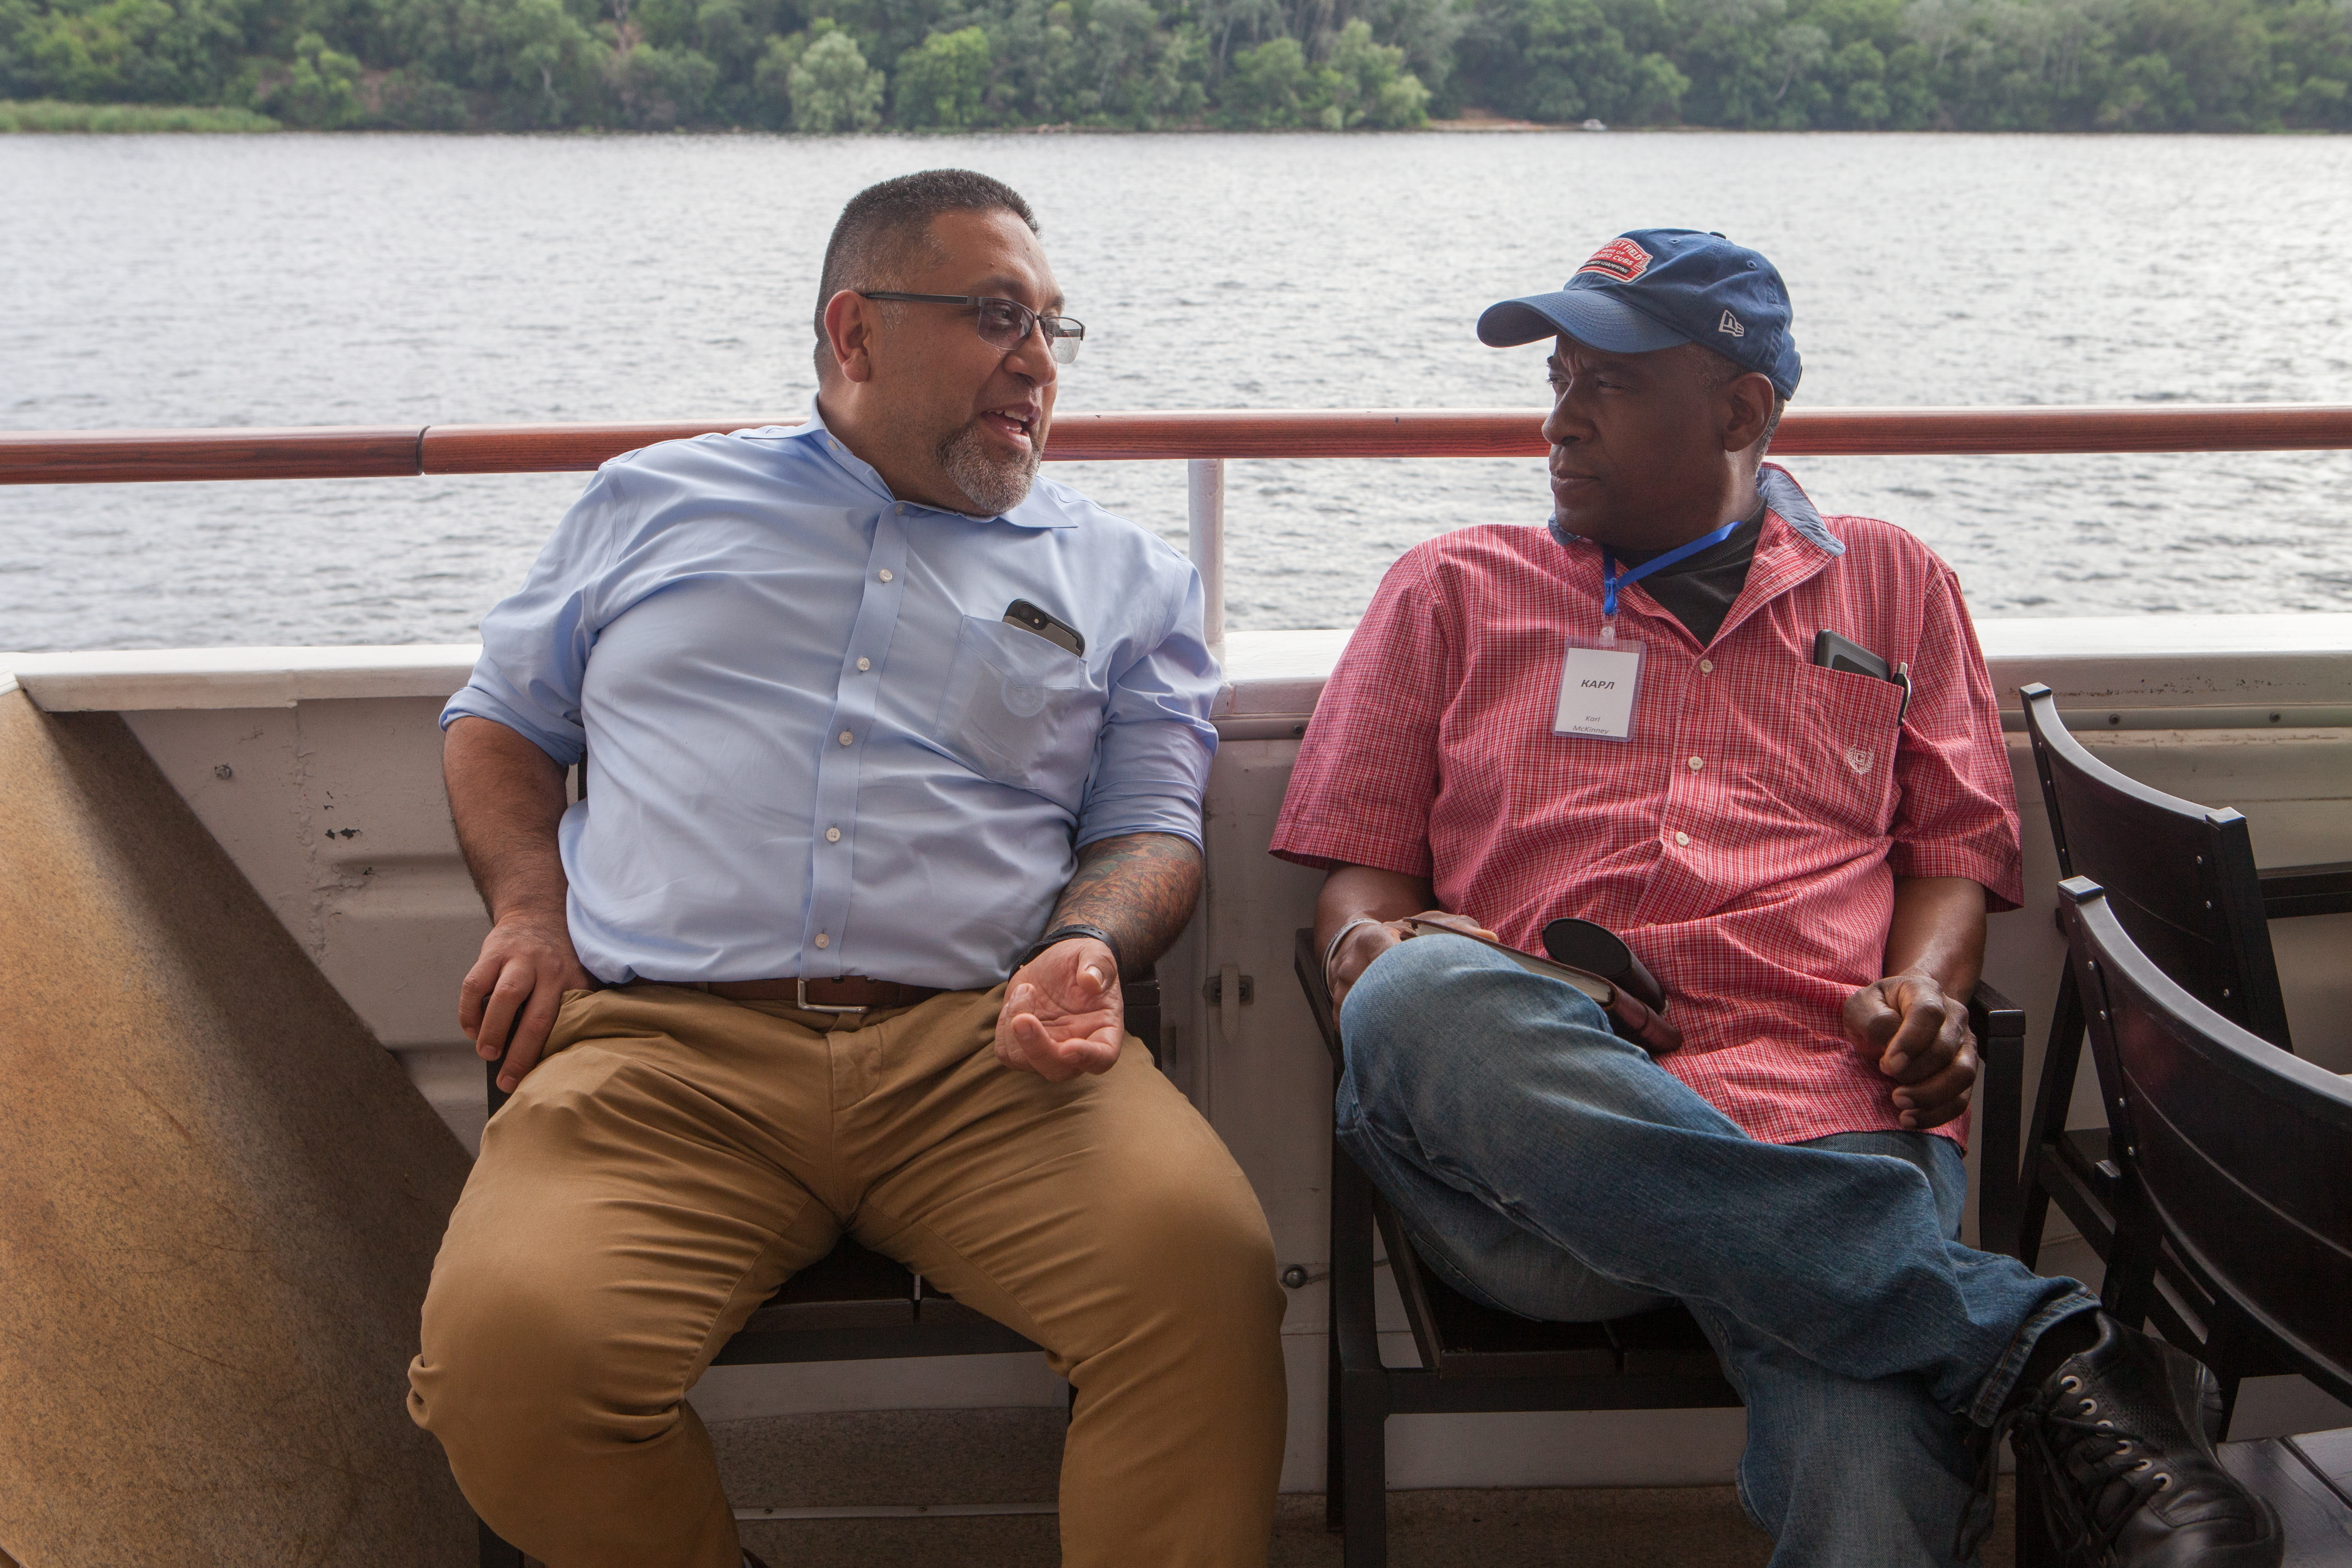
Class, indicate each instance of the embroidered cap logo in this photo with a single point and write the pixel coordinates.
(1730, 326)
(1619, 258)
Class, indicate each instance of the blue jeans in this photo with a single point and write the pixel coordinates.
(1554, 1171)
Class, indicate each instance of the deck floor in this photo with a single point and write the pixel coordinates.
(903, 1457)
(1658, 1527)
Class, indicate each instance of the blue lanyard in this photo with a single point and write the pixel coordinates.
(1611, 578)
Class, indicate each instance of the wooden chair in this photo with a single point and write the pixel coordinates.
(1474, 1358)
(2234, 1161)
(855, 1304)
(2181, 878)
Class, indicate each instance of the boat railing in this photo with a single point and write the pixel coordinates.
(1204, 439)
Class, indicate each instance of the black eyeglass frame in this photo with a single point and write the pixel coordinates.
(1058, 330)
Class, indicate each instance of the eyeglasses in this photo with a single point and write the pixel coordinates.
(1004, 323)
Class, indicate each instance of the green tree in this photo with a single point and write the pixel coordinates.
(319, 91)
(544, 65)
(1265, 90)
(2147, 95)
(658, 87)
(1657, 94)
(833, 88)
(942, 83)
(772, 81)
(1368, 83)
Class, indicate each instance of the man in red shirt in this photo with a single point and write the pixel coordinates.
(1621, 717)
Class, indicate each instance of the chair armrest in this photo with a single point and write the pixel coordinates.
(1308, 960)
(2000, 1027)
(2290, 891)
(1991, 1014)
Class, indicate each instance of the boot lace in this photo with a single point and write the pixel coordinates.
(2095, 1475)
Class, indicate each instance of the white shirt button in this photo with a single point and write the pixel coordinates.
(833, 836)
(1707, 666)
(864, 664)
(902, 509)
(823, 939)
(885, 574)
(1682, 838)
(1697, 763)
(844, 737)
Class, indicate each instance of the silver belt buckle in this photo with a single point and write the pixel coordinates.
(801, 999)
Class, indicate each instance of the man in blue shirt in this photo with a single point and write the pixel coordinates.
(873, 719)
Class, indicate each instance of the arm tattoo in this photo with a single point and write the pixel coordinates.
(1141, 888)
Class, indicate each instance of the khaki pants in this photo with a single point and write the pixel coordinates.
(678, 1156)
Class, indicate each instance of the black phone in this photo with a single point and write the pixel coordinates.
(1029, 618)
(1831, 651)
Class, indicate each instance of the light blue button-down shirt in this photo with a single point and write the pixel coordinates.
(816, 748)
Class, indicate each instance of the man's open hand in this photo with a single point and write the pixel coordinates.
(1063, 1011)
(1919, 1036)
(508, 999)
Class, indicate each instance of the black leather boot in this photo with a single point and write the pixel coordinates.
(2129, 1478)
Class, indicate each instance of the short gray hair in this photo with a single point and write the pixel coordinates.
(878, 234)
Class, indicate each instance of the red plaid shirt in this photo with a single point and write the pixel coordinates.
(1745, 841)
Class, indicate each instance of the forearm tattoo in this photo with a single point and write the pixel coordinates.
(1141, 888)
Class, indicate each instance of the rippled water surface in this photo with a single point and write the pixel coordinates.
(290, 280)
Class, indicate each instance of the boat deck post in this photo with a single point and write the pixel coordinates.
(1204, 511)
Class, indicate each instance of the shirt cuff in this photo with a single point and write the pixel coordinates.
(565, 745)
(1325, 849)
(2002, 878)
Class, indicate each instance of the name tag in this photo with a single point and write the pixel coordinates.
(1597, 686)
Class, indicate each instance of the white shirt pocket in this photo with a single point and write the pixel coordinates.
(1020, 710)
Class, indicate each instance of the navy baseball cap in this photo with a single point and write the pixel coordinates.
(1650, 289)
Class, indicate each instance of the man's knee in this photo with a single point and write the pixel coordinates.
(1183, 1269)
(515, 1360)
(1426, 1002)
(1208, 1248)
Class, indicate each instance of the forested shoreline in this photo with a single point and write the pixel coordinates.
(826, 66)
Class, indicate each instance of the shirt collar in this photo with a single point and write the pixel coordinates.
(1040, 509)
(1782, 494)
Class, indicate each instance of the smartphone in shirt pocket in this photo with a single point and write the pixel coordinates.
(1020, 708)
(1849, 725)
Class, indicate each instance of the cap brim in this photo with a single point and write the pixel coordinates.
(1588, 315)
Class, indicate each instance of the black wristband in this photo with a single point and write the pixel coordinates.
(1064, 933)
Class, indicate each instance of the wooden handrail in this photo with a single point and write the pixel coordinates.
(99, 456)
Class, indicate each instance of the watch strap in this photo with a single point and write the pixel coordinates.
(1064, 932)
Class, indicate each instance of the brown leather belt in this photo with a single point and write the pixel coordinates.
(849, 993)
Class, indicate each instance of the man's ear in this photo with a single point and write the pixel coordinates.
(1747, 409)
(849, 323)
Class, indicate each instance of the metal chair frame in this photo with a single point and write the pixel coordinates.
(1475, 1359)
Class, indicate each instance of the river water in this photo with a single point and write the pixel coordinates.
(361, 280)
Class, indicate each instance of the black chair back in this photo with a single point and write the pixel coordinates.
(2180, 877)
(2235, 1154)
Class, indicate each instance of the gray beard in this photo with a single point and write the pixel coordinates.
(995, 484)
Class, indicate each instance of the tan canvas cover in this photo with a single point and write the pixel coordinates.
(219, 1201)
